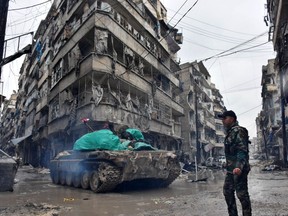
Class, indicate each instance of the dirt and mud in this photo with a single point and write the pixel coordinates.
(34, 194)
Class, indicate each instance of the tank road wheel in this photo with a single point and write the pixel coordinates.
(85, 179)
(95, 181)
(76, 181)
(62, 178)
(109, 176)
(55, 177)
(69, 178)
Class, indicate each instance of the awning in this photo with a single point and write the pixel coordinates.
(15, 141)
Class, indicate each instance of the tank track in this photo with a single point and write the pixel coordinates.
(110, 177)
(175, 170)
(103, 172)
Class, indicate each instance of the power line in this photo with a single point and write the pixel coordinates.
(241, 84)
(210, 34)
(250, 110)
(241, 50)
(239, 90)
(174, 26)
(186, 13)
(178, 11)
(17, 22)
(215, 26)
(219, 54)
(16, 9)
(197, 44)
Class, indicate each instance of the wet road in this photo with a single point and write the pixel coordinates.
(35, 194)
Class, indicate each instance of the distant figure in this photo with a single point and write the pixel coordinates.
(237, 164)
(130, 133)
(109, 126)
(133, 139)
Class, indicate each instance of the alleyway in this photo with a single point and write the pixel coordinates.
(34, 194)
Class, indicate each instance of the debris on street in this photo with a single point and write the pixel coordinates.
(29, 208)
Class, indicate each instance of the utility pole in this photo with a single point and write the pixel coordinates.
(281, 70)
(3, 14)
(198, 149)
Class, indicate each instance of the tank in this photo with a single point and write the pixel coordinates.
(8, 170)
(103, 171)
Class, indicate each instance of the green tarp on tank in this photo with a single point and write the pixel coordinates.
(106, 140)
(102, 139)
(136, 134)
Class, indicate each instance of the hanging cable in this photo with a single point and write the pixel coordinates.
(177, 11)
(16, 9)
(219, 54)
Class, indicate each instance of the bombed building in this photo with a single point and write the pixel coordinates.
(95, 62)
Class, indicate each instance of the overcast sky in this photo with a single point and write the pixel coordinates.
(209, 28)
(215, 26)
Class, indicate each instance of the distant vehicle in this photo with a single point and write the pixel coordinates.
(8, 170)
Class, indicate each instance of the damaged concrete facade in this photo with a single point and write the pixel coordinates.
(106, 61)
(7, 129)
(269, 119)
(278, 34)
(218, 109)
(202, 132)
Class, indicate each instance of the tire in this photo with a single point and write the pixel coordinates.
(95, 182)
(85, 179)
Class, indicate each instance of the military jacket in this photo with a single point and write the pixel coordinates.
(236, 148)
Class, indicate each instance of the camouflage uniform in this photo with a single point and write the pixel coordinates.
(237, 156)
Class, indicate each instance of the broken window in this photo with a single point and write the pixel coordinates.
(54, 108)
(99, 3)
(190, 98)
(65, 69)
(71, 3)
(115, 48)
(165, 84)
(57, 73)
(85, 90)
(117, 17)
(86, 44)
(29, 121)
(74, 57)
(161, 112)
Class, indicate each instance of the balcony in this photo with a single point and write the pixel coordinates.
(99, 64)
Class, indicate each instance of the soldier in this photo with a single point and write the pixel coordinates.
(237, 164)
